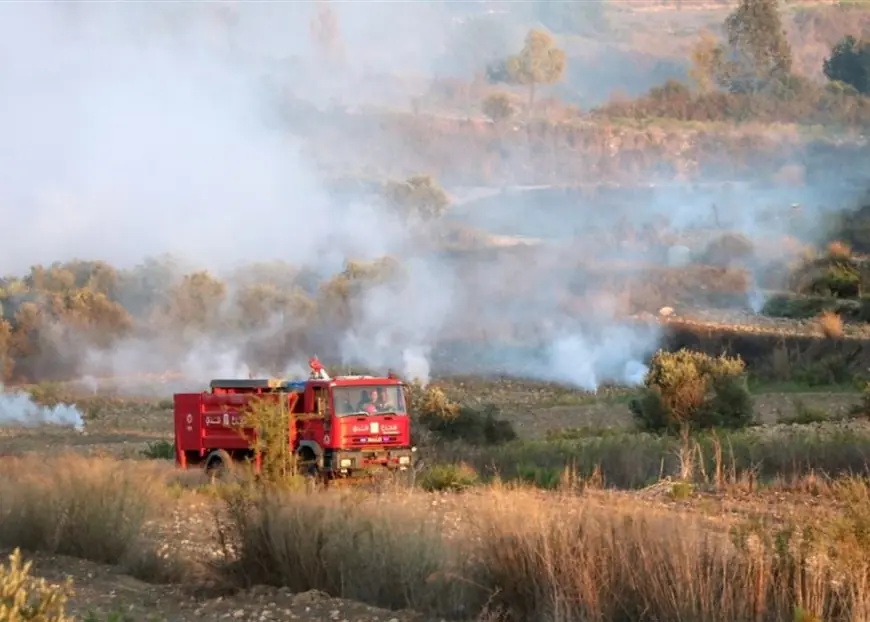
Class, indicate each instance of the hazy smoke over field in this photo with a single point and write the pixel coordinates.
(18, 409)
(133, 130)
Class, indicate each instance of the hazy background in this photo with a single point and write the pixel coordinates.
(137, 130)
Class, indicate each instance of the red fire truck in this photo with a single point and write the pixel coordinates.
(338, 427)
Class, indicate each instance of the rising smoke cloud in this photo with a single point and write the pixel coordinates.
(143, 129)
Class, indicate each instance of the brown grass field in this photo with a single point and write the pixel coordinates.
(580, 519)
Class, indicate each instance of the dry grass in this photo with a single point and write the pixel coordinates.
(831, 325)
(387, 555)
(525, 556)
(93, 508)
(511, 553)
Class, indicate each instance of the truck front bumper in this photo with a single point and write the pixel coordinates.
(344, 460)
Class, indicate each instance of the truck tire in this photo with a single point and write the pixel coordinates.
(218, 464)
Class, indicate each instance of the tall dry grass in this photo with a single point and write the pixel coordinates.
(520, 555)
(93, 508)
(391, 554)
(502, 552)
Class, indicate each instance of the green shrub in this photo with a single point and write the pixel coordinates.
(453, 477)
(476, 427)
(23, 597)
(451, 421)
(691, 390)
(159, 450)
(834, 273)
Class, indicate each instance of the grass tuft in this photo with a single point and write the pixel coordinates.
(92, 508)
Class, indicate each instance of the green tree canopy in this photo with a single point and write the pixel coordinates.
(850, 63)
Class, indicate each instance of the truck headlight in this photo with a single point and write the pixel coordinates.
(404, 460)
(345, 463)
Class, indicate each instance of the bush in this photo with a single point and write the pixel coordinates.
(159, 450)
(834, 273)
(451, 421)
(498, 107)
(23, 597)
(690, 390)
(799, 307)
(831, 325)
(728, 249)
(453, 477)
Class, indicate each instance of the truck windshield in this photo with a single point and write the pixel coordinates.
(368, 400)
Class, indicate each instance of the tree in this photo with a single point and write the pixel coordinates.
(539, 62)
(196, 300)
(759, 52)
(850, 63)
(419, 196)
(325, 31)
(498, 107)
(706, 58)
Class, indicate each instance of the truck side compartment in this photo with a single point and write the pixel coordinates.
(188, 428)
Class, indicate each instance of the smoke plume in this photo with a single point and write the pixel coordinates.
(17, 409)
(134, 131)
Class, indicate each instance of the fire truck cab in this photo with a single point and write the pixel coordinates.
(338, 427)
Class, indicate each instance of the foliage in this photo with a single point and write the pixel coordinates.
(849, 63)
(792, 100)
(706, 58)
(758, 51)
(417, 197)
(539, 62)
(270, 420)
(452, 477)
(325, 32)
(498, 107)
(831, 325)
(690, 390)
(799, 307)
(159, 450)
(833, 273)
(451, 421)
(56, 317)
(23, 597)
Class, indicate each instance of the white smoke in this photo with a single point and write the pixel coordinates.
(615, 356)
(416, 364)
(18, 409)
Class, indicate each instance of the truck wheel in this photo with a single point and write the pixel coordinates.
(218, 464)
